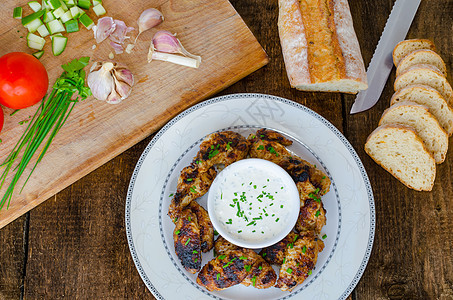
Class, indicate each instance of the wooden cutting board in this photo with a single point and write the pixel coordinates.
(96, 131)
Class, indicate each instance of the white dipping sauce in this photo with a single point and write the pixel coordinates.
(253, 202)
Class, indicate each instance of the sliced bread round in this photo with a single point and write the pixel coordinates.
(427, 75)
(400, 151)
(423, 56)
(405, 47)
(424, 123)
(431, 98)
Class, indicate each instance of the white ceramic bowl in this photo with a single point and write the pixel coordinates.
(253, 203)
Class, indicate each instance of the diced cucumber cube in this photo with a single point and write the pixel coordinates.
(66, 17)
(43, 30)
(35, 42)
(86, 21)
(75, 12)
(34, 5)
(54, 4)
(85, 4)
(33, 16)
(59, 44)
(58, 12)
(72, 26)
(34, 25)
(48, 17)
(17, 13)
(38, 54)
(99, 10)
(55, 26)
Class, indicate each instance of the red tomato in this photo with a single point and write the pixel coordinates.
(23, 80)
(1, 119)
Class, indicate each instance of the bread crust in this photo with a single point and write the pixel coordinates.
(348, 73)
(405, 47)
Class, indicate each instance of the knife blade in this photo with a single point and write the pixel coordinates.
(395, 30)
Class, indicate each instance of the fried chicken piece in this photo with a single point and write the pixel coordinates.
(312, 216)
(205, 225)
(223, 148)
(300, 260)
(270, 145)
(187, 241)
(226, 270)
(276, 253)
(261, 275)
(192, 184)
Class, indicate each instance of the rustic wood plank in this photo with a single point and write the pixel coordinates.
(412, 255)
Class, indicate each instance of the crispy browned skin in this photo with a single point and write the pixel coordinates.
(300, 260)
(226, 270)
(205, 225)
(186, 237)
(222, 148)
(192, 184)
(276, 253)
(312, 216)
(270, 145)
(261, 275)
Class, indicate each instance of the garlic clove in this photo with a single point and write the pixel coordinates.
(100, 81)
(165, 41)
(103, 29)
(125, 75)
(113, 98)
(122, 88)
(149, 18)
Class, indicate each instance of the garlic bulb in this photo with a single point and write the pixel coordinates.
(110, 82)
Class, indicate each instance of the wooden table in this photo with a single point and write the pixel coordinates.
(74, 245)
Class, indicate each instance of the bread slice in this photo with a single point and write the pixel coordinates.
(431, 98)
(423, 56)
(400, 151)
(405, 47)
(320, 47)
(424, 123)
(427, 75)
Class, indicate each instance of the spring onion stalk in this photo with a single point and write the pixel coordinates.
(50, 117)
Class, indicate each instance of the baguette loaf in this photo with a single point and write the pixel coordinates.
(320, 47)
(427, 75)
(423, 56)
(400, 151)
(431, 98)
(405, 47)
(425, 125)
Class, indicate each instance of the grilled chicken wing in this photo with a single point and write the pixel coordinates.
(276, 253)
(205, 225)
(222, 148)
(312, 216)
(300, 260)
(192, 184)
(186, 237)
(261, 275)
(226, 270)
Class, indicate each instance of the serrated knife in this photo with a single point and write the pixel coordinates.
(381, 64)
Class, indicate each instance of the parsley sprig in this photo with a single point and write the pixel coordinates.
(49, 118)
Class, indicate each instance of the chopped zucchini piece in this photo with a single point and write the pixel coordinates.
(43, 30)
(48, 17)
(17, 13)
(86, 21)
(34, 5)
(32, 17)
(59, 44)
(75, 12)
(58, 12)
(34, 25)
(55, 26)
(99, 10)
(72, 26)
(85, 4)
(38, 54)
(66, 17)
(35, 42)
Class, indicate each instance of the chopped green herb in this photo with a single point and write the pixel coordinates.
(260, 147)
(242, 257)
(254, 280)
(289, 270)
(222, 256)
(324, 236)
(177, 232)
(309, 272)
(189, 179)
(317, 213)
(304, 249)
(194, 251)
(218, 276)
(247, 267)
(188, 240)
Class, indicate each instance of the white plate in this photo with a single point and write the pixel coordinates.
(349, 204)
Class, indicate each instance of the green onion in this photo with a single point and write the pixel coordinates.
(324, 236)
(304, 249)
(254, 280)
(317, 213)
(289, 270)
(51, 115)
(222, 256)
(194, 251)
(260, 147)
(177, 232)
(247, 267)
(218, 276)
(188, 240)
